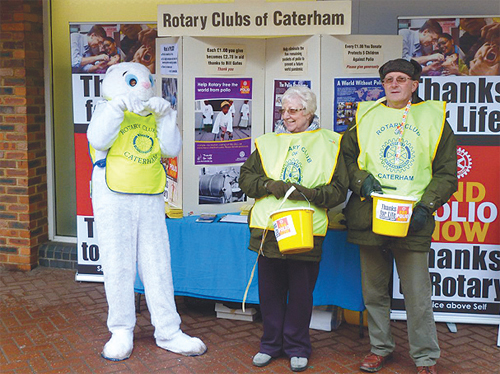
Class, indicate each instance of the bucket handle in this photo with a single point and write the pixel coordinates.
(285, 198)
(288, 193)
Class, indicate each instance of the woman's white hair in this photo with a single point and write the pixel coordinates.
(306, 96)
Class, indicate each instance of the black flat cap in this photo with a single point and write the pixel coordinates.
(411, 68)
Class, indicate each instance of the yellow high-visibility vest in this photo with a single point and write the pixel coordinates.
(133, 163)
(307, 158)
(378, 139)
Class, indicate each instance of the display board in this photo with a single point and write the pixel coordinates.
(458, 60)
(198, 76)
(217, 72)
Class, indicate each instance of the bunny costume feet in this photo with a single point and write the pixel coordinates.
(183, 344)
(120, 346)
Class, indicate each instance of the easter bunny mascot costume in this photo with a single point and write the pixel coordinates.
(130, 131)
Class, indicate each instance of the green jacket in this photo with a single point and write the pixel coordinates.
(443, 184)
(252, 180)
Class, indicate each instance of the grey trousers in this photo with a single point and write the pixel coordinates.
(376, 270)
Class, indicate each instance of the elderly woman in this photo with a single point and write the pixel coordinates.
(299, 153)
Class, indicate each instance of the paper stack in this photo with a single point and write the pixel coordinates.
(173, 212)
(224, 312)
(245, 209)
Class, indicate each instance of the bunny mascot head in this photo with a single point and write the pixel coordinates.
(129, 133)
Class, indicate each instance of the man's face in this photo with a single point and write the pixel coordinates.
(131, 31)
(472, 25)
(95, 42)
(446, 46)
(428, 38)
(398, 93)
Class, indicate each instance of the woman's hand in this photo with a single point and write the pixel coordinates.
(277, 188)
(302, 193)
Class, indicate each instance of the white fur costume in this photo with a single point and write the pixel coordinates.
(131, 227)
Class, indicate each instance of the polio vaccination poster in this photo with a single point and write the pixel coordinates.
(461, 65)
(224, 136)
(348, 93)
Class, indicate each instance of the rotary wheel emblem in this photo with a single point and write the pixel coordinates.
(291, 172)
(388, 156)
(464, 163)
(143, 143)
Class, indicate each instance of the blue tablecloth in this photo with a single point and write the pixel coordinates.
(212, 261)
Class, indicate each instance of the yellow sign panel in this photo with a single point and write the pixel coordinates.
(246, 19)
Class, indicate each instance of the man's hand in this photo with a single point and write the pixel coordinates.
(419, 218)
(302, 193)
(370, 185)
(277, 188)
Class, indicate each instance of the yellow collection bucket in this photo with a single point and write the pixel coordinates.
(391, 214)
(293, 229)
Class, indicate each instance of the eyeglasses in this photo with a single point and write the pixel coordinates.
(291, 111)
(399, 80)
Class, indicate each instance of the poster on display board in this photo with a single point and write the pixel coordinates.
(460, 59)
(223, 125)
(94, 48)
(347, 81)
(219, 122)
(348, 93)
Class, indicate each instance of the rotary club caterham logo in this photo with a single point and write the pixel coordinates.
(292, 171)
(143, 143)
(388, 157)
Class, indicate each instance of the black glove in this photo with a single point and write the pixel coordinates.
(370, 185)
(302, 193)
(419, 218)
(277, 188)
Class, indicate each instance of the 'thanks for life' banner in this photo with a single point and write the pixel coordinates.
(464, 261)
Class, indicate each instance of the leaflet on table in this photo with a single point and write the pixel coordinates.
(222, 120)
(234, 218)
(206, 217)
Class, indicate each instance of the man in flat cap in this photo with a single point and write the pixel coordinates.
(399, 145)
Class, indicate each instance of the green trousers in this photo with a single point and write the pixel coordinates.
(413, 270)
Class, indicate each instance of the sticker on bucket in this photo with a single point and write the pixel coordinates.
(284, 228)
(393, 212)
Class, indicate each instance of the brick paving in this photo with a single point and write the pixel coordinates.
(49, 323)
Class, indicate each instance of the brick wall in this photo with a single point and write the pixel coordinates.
(23, 174)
